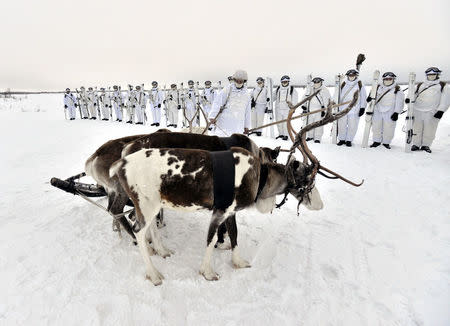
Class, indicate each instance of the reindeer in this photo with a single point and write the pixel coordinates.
(98, 164)
(182, 179)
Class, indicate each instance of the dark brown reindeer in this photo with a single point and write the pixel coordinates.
(182, 179)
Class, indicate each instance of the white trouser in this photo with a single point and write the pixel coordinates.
(258, 115)
(383, 128)
(424, 128)
(92, 110)
(347, 127)
(316, 133)
(172, 113)
(206, 108)
(105, 112)
(72, 112)
(84, 111)
(156, 113)
(190, 111)
(130, 112)
(118, 111)
(282, 114)
(139, 114)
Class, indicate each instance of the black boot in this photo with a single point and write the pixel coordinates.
(174, 126)
(317, 141)
(341, 142)
(348, 143)
(425, 148)
(309, 138)
(258, 133)
(387, 146)
(280, 136)
(414, 148)
(285, 137)
(157, 124)
(375, 144)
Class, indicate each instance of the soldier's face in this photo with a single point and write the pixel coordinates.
(351, 77)
(432, 77)
(285, 83)
(388, 81)
(239, 83)
(317, 85)
(260, 83)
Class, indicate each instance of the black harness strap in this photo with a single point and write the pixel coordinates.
(223, 178)
(263, 173)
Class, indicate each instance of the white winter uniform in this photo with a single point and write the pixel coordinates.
(260, 96)
(131, 105)
(92, 103)
(173, 101)
(141, 104)
(207, 99)
(320, 101)
(82, 97)
(117, 102)
(427, 102)
(348, 124)
(236, 113)
(105, 103)
(156, 101)
(383, 127)
(190, 102)
(70, 103)
(281, 96)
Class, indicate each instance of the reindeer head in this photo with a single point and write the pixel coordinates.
(301, 175)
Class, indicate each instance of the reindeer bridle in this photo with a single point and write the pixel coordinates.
(304, 187)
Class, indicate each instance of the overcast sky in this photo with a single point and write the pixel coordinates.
(49, 44)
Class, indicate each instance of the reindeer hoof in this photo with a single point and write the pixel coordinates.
(241, 263)
(155, 279)
(210, 275)
(164, 252)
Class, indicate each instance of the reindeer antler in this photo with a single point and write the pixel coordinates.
(300, 139)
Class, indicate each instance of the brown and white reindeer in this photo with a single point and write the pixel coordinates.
(99, 163)
(182, 179)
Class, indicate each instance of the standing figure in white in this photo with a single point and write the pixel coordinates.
(388, 105)
(156, 101)
(173, 104)
(70, 103)
(318, 102)
(83, 100)
(231, 112)
(208, 96)
(260, 98)
(141, 104)
(131, 103)
(105, 103)
(348, 124)
(190, 98)
(118, 102)
(432, 99)
(282, 95)
(92, 103)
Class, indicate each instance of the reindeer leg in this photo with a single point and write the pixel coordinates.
(220, 244)
(238, 262)
(156, 241)
(116, 207)
(205, 269)
(151, 272)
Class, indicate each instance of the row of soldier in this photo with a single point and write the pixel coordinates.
(235, 109)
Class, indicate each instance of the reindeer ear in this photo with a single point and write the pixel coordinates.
(275, 152)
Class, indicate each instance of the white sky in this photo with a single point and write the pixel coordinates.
(50, 44)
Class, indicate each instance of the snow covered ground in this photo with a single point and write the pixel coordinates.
(375, 255)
